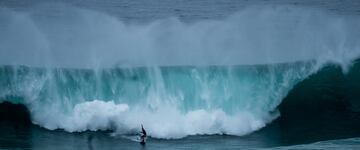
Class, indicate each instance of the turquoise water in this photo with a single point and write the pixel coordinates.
(310, 108)
(219, 96)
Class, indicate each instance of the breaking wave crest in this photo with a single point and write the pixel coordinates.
(86, 70)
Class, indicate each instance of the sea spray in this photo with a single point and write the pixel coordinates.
(81, 38)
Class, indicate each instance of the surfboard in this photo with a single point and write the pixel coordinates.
(135, 138)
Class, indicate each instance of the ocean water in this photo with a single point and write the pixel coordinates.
(197, 74)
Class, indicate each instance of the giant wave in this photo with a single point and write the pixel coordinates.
(90, 71)
(171, 101)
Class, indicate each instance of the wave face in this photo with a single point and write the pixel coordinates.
(78, 69)
(323, 106)
(171, 102)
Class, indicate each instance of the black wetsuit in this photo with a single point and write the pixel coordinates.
(143, 136)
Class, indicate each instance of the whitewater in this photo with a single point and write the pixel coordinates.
(79, 69)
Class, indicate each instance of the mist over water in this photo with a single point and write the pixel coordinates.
(78, 69)
(57, 35)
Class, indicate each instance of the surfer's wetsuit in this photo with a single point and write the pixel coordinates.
(143, 135)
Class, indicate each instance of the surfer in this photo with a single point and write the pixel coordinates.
(142, 135)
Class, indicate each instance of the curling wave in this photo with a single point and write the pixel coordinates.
(86, 70)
